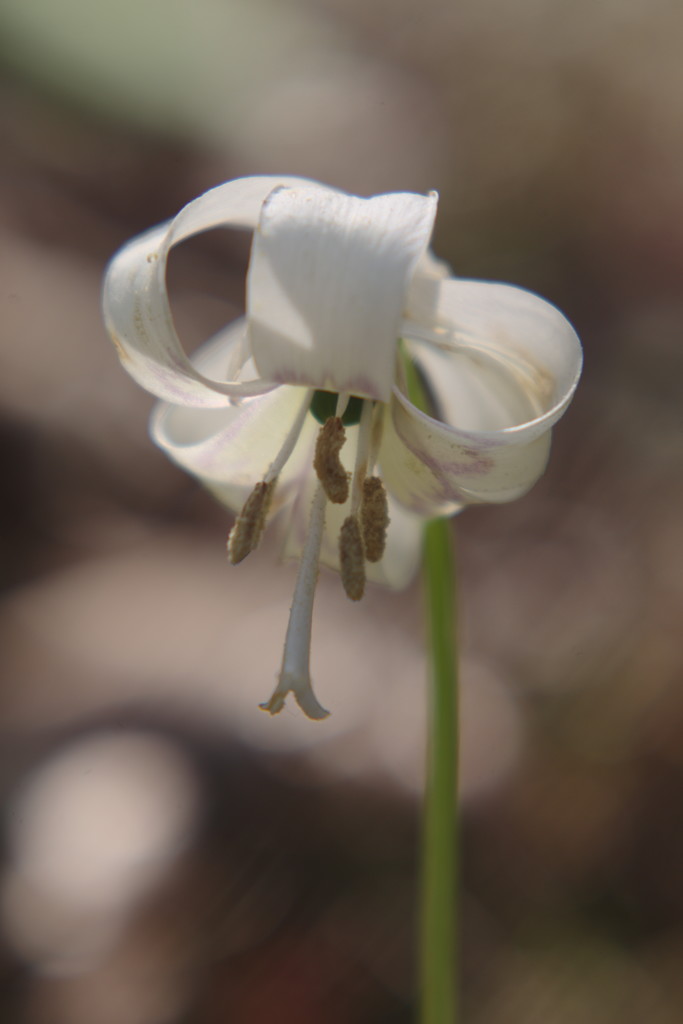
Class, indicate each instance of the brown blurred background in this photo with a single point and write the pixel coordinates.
(171, 855)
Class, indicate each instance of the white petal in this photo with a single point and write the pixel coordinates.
(434, 470)
(135, 300)
(535, 342)
(430, 267)
(327, 284)
(403, 552)
(474, 390)
(508, 368)
(231, 449)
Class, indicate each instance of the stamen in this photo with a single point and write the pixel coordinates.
(295, 674)
(289, 443)
(343, 399)
(362, 455)
(327, 463)
(363, 533)
(374, 516)
(249, 525)
(351, 559)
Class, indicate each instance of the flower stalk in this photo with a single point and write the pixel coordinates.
(439, 865)
(438, 939)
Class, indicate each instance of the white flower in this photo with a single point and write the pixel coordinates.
(301, 406)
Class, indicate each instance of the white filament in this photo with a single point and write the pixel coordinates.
(289, 443)
(362, 455)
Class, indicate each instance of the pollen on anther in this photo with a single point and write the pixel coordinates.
(327, 464)
(246, 533)
(374, 515)
(352, 558)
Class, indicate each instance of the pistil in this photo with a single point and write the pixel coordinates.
(295, 674)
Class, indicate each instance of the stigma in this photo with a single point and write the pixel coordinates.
(361, 539)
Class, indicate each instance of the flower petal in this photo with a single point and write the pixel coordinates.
(434, 470)
(231, 449)
(430, 267)
(530, 342)
(327, 283)
(135, 301)
(505, 369)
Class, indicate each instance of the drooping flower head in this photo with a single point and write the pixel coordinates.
(300, 408)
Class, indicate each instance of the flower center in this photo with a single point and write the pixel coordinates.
(362, 535)
(324, 404)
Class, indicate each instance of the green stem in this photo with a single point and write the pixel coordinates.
(439, 946)
(438, 925)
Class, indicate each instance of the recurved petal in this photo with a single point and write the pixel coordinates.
(231, 449)
(135, 301)
(327, 284)
(500, 367)
(520, 337)
(435, 470)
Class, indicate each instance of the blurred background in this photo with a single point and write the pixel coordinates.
(171, 854)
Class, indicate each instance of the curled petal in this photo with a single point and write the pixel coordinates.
(434, 470)
(327, 283)
(135, 301)
(527, 341)
(500, 366)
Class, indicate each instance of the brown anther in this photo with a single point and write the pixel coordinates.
(249, 525)
(327, 464)
(352, 558)
(374, 516)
